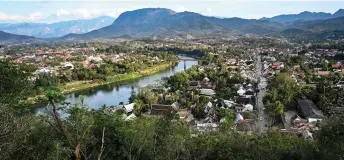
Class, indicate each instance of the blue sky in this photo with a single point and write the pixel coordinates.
(53, 11)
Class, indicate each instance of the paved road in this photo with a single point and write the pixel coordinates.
(262, 117)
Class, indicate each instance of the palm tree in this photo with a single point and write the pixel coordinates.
(138, 106)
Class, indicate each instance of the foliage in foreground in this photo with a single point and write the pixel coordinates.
(100, 134)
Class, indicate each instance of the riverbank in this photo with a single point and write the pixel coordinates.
(76, 86)
(83, 85)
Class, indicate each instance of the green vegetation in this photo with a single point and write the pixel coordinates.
(100, 134)
(282, 93)
(81, 85)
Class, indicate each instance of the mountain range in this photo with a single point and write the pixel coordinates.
(165, 22)
(43, 30)
(14, 38)
(306, 16)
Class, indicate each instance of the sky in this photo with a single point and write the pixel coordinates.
(48, 11)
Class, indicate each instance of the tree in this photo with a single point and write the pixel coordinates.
(14, 84)
(228, 123)
(331, 138)
(139, 105)
(179, 81)
(76, 130)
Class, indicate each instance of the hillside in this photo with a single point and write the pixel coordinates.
(321, 25)
(42, 30)
(305, 16)
(8, 37)
(159, 21)
(165, 22)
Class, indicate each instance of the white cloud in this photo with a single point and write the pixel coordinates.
(118, 12)
(60, 15)
(181, 9)
(62, 12)
(208, 10)
(31, 17)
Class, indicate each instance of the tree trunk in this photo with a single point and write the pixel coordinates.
(77, 152)
(102, 146)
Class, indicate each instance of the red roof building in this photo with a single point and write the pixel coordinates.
(336, 66)
(233, 60)
(323, 73)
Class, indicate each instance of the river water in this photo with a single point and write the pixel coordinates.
(114, 93)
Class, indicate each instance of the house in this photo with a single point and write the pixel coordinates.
(68, 65)
(241, 91)
(232, 60)
(228, 104)
(160, 109)
(336, 66)
(193, 85)
(323, 73)
(175, 105)
(309, 110)
(207, 92)
(238, 118)
(340, 84)
(207, 127)
(242, 100)
(249, 93)
(95, 58)
(277, 65)
(233, 67)
(129, 107)
(244, 108)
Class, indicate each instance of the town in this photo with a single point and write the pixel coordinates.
(247, 84)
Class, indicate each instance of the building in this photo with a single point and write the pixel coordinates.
(207, 92)
(160, 109)
(340, 84)
(309, 110)
(193, 85)
(129, 107)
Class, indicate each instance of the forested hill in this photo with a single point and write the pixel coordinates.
(13, 37)
(165, 22)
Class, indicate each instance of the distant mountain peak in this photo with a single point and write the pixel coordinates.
(339, 13)
(306, 16)
(58, 29)
(145, 15)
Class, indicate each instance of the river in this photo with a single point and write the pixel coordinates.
(114, 93)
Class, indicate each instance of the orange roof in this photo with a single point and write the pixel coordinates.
(323, 73)
(233, 67)
(232, 60)
(276, 64)
(336, 66)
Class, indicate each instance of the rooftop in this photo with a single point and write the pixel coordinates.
(309, 109)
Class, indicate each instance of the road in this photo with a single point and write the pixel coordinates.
(262, 117)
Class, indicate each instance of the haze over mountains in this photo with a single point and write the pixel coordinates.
(165, 22)
(43, 30)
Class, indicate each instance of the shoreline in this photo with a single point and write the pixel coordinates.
(76, 86)
(83, 85)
